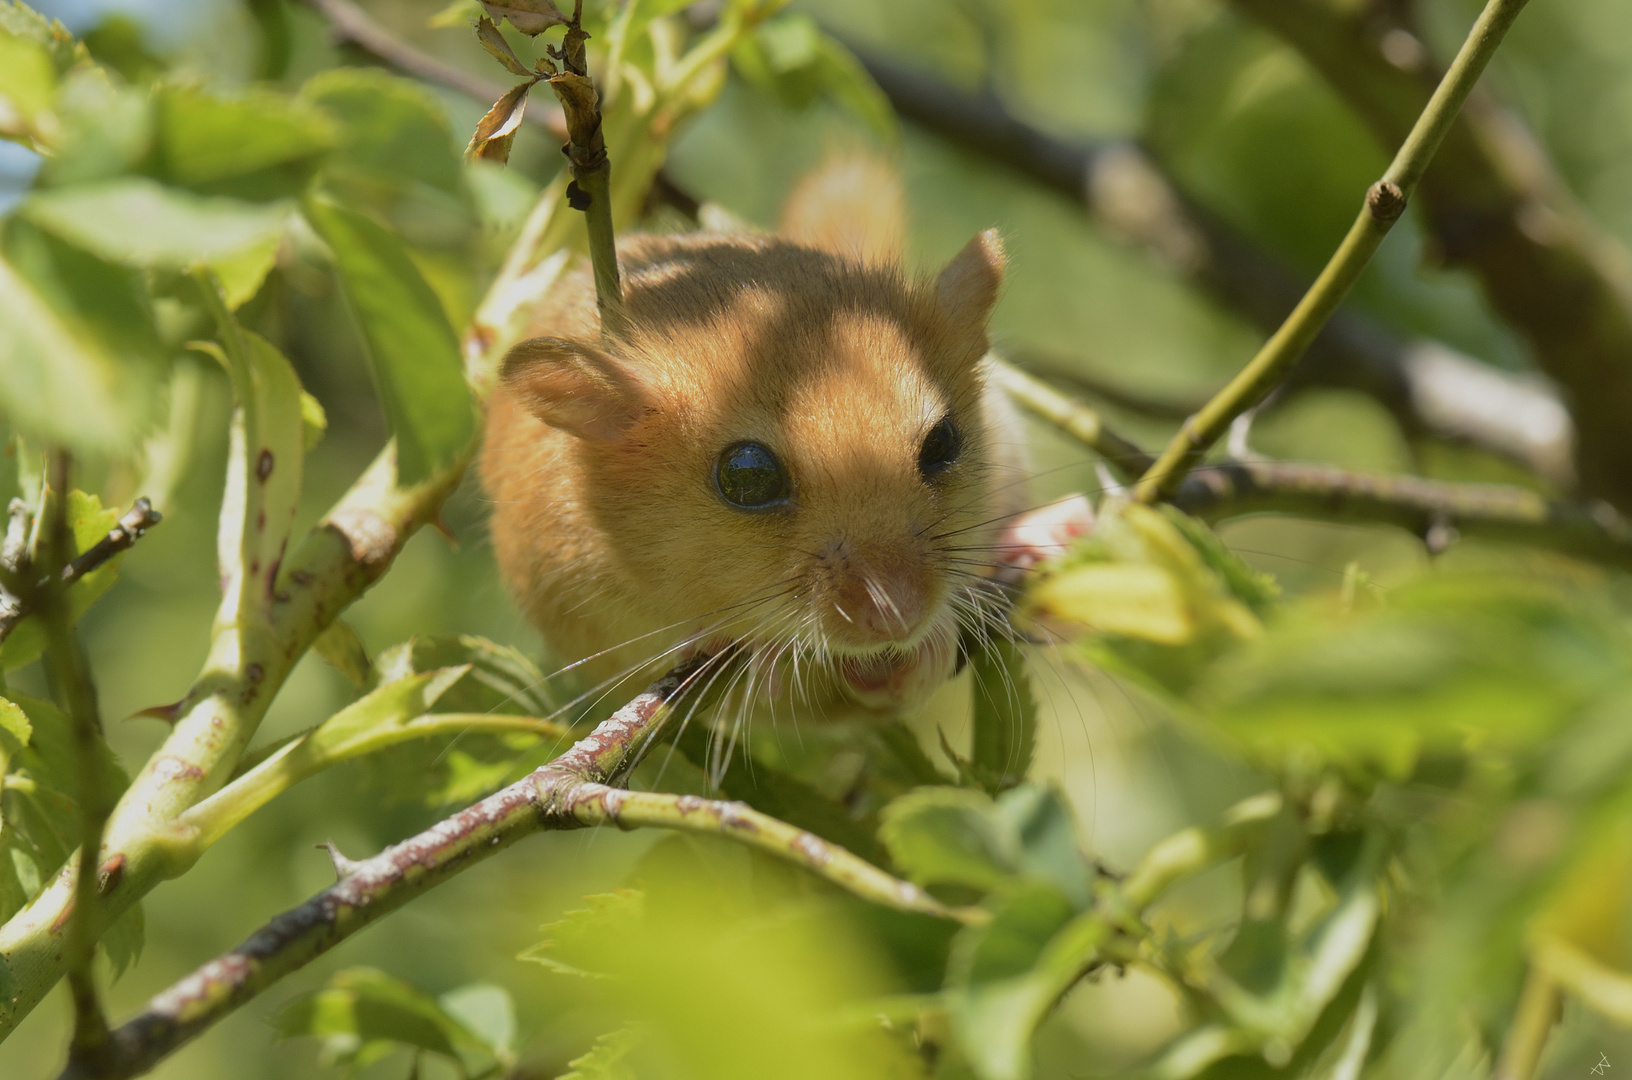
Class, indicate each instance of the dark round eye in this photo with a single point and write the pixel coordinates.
(940, 448)
(750, 477)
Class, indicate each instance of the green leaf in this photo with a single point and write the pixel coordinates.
(89, 523)
(501, 679)
(792, 59)
(1045, 834)
(141, 222)
(21, 22)
(124, 939)
(257, 145)
(314, 421)
(947, 836)
(1005, 715)
(361, 1008)
(486, 1011)
(846, 81)
(28, 86)
(14, 723)
(574, 943)
(1026, 919)
(80, 362)
(608, 1058)
(342, 649)
(391, 130)
(266, 462)
(413, 352)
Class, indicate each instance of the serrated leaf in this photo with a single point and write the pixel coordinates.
(89, 522)
(412, 350)
(573, 943)
(18, 20)
(28, 85)
(501, 679)
(80, 362)
(608, 1058)
(122, 942)
(14, 723)
(342, 649)
(391, 130)
(1004, 715)
(143, 223)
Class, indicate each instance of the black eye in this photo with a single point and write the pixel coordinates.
(749, 476)
(940, 448)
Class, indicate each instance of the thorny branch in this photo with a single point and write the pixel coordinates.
(1427, 387)
(577, 789)
(1385, 201)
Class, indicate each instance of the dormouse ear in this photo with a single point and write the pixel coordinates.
(967, 287)
(575, 387)
(851, 206)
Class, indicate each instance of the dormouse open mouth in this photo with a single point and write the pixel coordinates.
(894, 678)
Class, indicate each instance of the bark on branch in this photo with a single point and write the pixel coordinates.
(577, 789)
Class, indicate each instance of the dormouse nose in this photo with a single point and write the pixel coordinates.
(877, 597)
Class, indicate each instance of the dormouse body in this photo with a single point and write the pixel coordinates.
(788, 448)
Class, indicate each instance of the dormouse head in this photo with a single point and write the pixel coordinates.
(790, 449)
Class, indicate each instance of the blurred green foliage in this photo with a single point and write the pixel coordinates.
(1445, 746)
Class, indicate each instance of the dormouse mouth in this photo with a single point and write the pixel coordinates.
(897, 677)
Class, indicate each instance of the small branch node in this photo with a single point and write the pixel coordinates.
(1386, 202)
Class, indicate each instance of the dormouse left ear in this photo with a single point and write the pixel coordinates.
(575, 386)
(967, 287)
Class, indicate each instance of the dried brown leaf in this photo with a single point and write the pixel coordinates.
(487, 32)
(531, 17)
(497, 130)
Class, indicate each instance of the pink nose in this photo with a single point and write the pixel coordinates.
(875, 607)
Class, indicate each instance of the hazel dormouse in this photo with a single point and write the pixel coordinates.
(790, 448)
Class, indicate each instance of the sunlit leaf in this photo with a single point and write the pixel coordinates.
(138, 221)
(607, 1059)
(28, 84)
(500, 680)
(391, 130)
(18, 20)
(342, 649)
(14, 723)
(413, 352)
(256, 145)
(573, 944)
(80, 363)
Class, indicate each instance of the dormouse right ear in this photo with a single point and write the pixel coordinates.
(967, 287)
(575, 387)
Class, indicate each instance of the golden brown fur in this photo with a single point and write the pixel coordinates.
(600, 459)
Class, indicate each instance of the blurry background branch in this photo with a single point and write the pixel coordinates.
(1429, 388)
(1494, 204)
(13, 609)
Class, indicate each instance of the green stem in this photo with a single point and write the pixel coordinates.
(1384, 203)
(1533, 1022)
(1074, 418)
(740, 822)
(65, 663)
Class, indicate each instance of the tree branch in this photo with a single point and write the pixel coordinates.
(1081, 422)
(1594, 531)
(1384, 203)
(1427, 387)
(574, 790)
(1496, 206)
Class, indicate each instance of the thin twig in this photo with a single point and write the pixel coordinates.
(1081, 422)
(1428, 388)
(578, 788)
(1383, 205)
(1533, 1021)
(354, 26)
(1504, 512)
(129, 529)
(71, 680)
